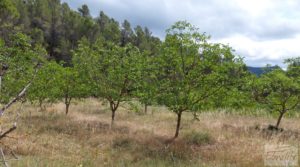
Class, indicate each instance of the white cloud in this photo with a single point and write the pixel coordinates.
(262, 31)
(259, 53)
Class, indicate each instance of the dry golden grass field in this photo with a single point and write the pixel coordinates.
(83, 138)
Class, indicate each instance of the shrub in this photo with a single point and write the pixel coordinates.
(198, 138)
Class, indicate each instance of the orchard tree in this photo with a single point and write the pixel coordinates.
(146, 82)
(111, 71)
(70, 85)
(45, 89)
(236, 95)
(19, 63)
(57, 83)
(293, 69)
(190, 70)
(119, 71)
(277, 92)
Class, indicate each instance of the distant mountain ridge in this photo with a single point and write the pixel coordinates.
(261, 70)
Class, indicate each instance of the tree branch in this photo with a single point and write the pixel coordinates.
(20, 95)
(3, 157)
(207, 95)
(8, 131)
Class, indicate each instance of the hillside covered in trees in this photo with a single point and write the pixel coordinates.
(59, 28)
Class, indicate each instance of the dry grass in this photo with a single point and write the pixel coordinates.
(83, 138)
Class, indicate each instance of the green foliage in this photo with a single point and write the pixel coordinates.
(188, 77)
(277, 92)
(84, 11)
(56, 83)
(46, 89)
(293, 69)
(120, 66)
(8, 10)
(111, 71)
(134, 106)
(191, 70)
(59, 29)
(198, 138)
(236, 95)
(71, 86)
(147, 82)
(19, 61)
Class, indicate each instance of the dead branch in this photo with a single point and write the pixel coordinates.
(4, 161)
(20, 95)
(8, 131)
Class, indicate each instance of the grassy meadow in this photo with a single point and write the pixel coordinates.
(83, 138)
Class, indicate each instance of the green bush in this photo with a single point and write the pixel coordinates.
(198, 138)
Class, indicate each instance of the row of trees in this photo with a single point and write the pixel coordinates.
(184, 75)
(58, 28)
(185, 72)
(189, 74)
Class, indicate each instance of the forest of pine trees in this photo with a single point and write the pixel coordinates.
(59, 28)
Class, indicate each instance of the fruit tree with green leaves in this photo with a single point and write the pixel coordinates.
(19, 64)
(277, 92)
(190, 69)
(111, 71)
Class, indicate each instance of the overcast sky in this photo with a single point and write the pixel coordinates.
(261, 31)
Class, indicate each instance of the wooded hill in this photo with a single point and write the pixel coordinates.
(59, 28)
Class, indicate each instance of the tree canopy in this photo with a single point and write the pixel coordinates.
(191, 69)
(59, 28)
(277, 92)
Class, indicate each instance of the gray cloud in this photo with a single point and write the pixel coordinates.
(262, 30)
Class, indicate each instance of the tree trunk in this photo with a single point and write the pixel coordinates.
(112, 117)
(146, 108)
(41, 106)
(0, 82)
(279, 119)
(67, 108)
(178, 124)
(113, 106)
(67, 103)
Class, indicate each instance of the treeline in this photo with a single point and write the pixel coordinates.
(59, 28)
(185, 72)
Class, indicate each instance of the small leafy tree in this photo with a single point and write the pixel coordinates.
(190, 70)
(111, 70)
(19, 63)
(45, 89)
(57, 83)
(236, 95)
(71, 86)
(293, 69)
(277, 92)
(146, 87)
